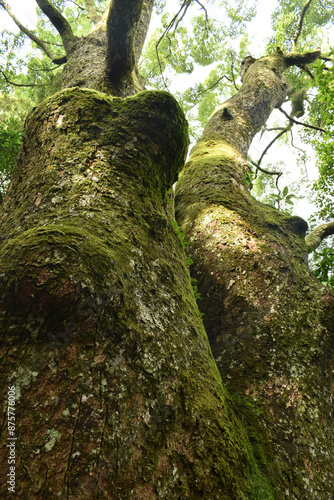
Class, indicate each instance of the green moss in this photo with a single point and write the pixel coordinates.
(264, 316)
(96, 299)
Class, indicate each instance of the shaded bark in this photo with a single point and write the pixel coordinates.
(269, 322)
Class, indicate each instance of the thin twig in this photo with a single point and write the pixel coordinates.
(79, 6)
(301, 123)
(203, 8)
(302, 151)
(274, 129)
(272, 142)
(214, 84)
(307, 70)
(21, 84)
(185, 5)
(183, 14)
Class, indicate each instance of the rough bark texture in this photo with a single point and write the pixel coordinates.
(118, 393)
(269, 322)
(106, 60)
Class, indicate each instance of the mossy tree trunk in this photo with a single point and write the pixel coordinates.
(270, 323)
(118, 395)
(117, 392)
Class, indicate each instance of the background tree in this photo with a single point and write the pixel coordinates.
(118, 392)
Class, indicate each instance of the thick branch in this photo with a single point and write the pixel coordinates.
(122, 22)
(34, 38)
(320, 233)
(142, 27)
(300, 24)
(300, 59)
(59, 22)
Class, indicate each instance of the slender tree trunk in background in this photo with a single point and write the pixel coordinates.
(270, 323)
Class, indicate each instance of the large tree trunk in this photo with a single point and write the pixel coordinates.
(107, 59)
(117, 392)
(269, 322)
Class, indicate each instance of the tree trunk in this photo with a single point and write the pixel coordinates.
(117, 392)
(268, 320)
(107, 59)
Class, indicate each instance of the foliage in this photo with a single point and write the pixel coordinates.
(200, 42)
(324, 146)
(285, 18)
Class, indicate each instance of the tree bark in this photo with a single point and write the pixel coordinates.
(117, 392)
(269, 322)
(107, 59)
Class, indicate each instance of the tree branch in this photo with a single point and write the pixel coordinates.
(60, 23)
(300, 59)
(300, 25)
(174, 21)
(34, 38)
(22, 84)
(123, 17)
(268, 172)
(301, 123)
(93, 16)
(257, 164)
(214, 84)
(320, 233)
(142, 27)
